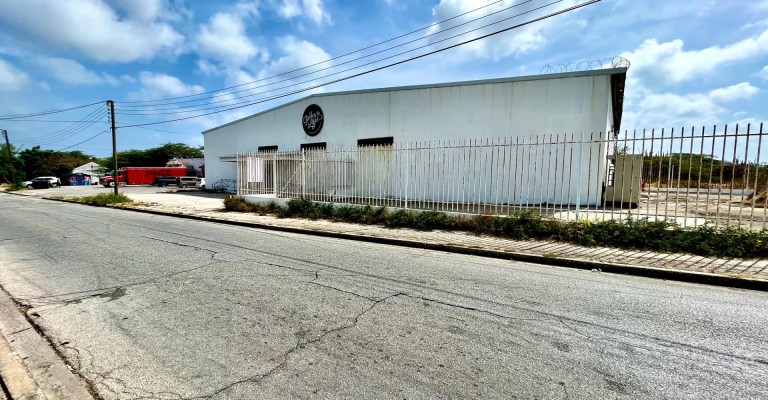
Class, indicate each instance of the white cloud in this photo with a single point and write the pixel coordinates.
(224, 40)
(247, 87)
(656, 88)
(158, 86)
(657, 110)
(207, 68)
(11, 78)
(297, 54)
(312, 9)
(739, 91)
(141, 10)
(760, 5)
(239, 78)
(90, 27)
(763, 73)
(654, 110)
(669, 62)
(72, 72)
(516, 42)
(758, 24)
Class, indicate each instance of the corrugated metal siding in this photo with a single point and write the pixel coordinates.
(507, 109)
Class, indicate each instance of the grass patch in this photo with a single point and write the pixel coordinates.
(233, 203)
(103, 199)
(632, 234)
(14, 187)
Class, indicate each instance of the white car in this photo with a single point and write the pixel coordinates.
(52, 180)
(200, 183)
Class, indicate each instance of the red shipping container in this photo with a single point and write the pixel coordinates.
(143, 175)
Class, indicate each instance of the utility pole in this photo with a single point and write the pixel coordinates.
(111, 105)
(10, 157)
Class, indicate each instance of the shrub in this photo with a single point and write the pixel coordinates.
(104, 199)
(629, 234)
(303, 208)
(401, 219)
(234, 203)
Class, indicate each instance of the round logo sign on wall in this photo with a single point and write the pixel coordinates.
(312, 120)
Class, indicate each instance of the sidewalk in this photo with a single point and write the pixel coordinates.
(752, 274)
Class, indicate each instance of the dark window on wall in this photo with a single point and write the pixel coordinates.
(313, 146)
(382, 141)
(267, 148)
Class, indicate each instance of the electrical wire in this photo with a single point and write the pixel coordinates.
(161, 130)
(45, 136)
(321, 62)
(67, 132)
(13, 117)
(563, 11)
(206, 107)
(90, 138)
(123, 105)
(71, 134)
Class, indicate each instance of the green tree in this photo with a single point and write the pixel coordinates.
(5, 171)
(154, 157)
(38, 162)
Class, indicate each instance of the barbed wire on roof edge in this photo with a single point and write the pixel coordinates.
(603, 63)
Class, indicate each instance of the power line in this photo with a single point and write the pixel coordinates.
(161, 130)
(205, 107)
(67, 132)
(320, 62)
(13, 117)
(86, 118)
(90, 138)
(71, 134)
(152, 107)
(569, 9)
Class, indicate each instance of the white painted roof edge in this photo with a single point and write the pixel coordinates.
(595, 72)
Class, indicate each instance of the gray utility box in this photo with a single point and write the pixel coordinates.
(623, 186)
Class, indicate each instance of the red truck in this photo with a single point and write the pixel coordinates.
(141, 175)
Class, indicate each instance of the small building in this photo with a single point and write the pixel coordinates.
(585, 103)
(80, 179)
(91, 169)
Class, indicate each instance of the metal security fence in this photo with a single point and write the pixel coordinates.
(692, 176)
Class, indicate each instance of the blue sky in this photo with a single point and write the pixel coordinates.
(692, 62)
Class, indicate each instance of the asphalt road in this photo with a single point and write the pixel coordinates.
(154, 307)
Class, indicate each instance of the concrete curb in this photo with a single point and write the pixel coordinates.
(625, 269)
(29, 367)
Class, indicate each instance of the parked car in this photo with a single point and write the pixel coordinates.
(40, 182)
(161, 181)
(186, 181)
(201, 183)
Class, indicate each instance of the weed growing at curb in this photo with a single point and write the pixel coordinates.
(631, 233)
(14, 188)
(103, 199)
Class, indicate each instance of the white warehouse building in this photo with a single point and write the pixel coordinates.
(585, 106)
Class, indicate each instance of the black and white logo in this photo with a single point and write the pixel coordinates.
(312, 120)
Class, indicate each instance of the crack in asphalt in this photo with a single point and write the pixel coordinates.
(299, 345)
(19, 331)
(302, 344)
(468, 308)
(317, 276)
(99, 292)
(213, 252)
